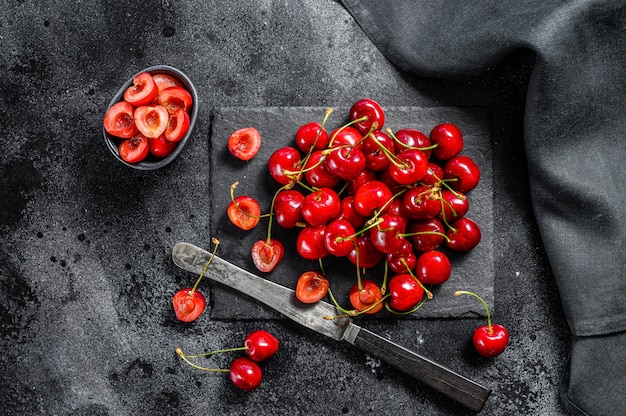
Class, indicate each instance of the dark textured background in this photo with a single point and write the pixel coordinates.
(86, 280)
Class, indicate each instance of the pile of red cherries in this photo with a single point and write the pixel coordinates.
(371, 195)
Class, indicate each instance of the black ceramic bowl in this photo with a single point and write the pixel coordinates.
(151, 162)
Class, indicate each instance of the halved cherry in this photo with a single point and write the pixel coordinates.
(267, 253)
(119, 121)
(244, 143)
(244, 212)
(364, 297)
(188, 304)
(312, 286)
(164, 81)
(143, 90)
(173, 98)
(135, 149)
(177, 125)
(151, 120)
(160, 146)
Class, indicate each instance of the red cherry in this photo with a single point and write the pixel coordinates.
(188, 304)
(339, 238)
(315, 171)
(321, 206)
(490, 342)
(404, 260)
(464, 235)
(462, 173)
(245, 374)
(371, 111)
(412, 166)
(366, 296)
(364, 177)
(371, 197)
(448, 139)
(345, 162)
(287, 208)
(267, 253)
(376, 147)
(346, 135)
(405, 292)
(412, 138)
(312, 286)
(426, 235)
(310, 243)
(365, 255)
(283, 165)
(311, 135)
(261, 345)
(348, 212)
(387, 236)
(433, 268)
(455, 205)
(421, 202)
(433, 176)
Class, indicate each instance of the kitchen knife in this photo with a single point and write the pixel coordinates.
(283, 300)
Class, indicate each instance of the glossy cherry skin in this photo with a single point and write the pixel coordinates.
(316, 174)
(464, 173)
(321, 206)
(310, 242)
(490, 342)
(371, 197)
(266, 254)
(464, 235)
(404, 260)
(363, 178)
(455, 205)
(376, 159)
(261, 345)
(245, 373)
(283, 165)
(345, 162)
(346, 135)
(448, 139)
(405, 292)
(311, 135)
(339, 238)
(426, 235)
(287, 208)
(348, 212)
(365, 255)
(387, 236)
(412, 167)
(412, 138)
(433, 176)
(368, 295)
(372, 111)
(433, 268)
(421, 202)
(188, 306)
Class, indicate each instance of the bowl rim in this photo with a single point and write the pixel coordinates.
(112, 142)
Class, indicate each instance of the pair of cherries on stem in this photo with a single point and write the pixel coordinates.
(489, 340)
(245, 372)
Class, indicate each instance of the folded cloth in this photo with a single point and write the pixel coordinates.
(575, 139)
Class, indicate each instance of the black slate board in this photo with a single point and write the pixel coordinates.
(470, 271)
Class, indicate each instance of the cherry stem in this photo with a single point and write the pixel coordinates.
(463, 292)
(184, 357)
(358, 120)
(425, 233)
(232, 198)
(206, 354)
(418, 306)
(429, 294)
(406, 146)
(216, 242)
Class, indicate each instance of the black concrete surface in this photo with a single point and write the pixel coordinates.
(86, 278)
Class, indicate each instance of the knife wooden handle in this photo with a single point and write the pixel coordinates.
(442, 379)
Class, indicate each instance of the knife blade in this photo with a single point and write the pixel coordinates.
(282, 299)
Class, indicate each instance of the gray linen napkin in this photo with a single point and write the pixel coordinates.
(575, 138)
